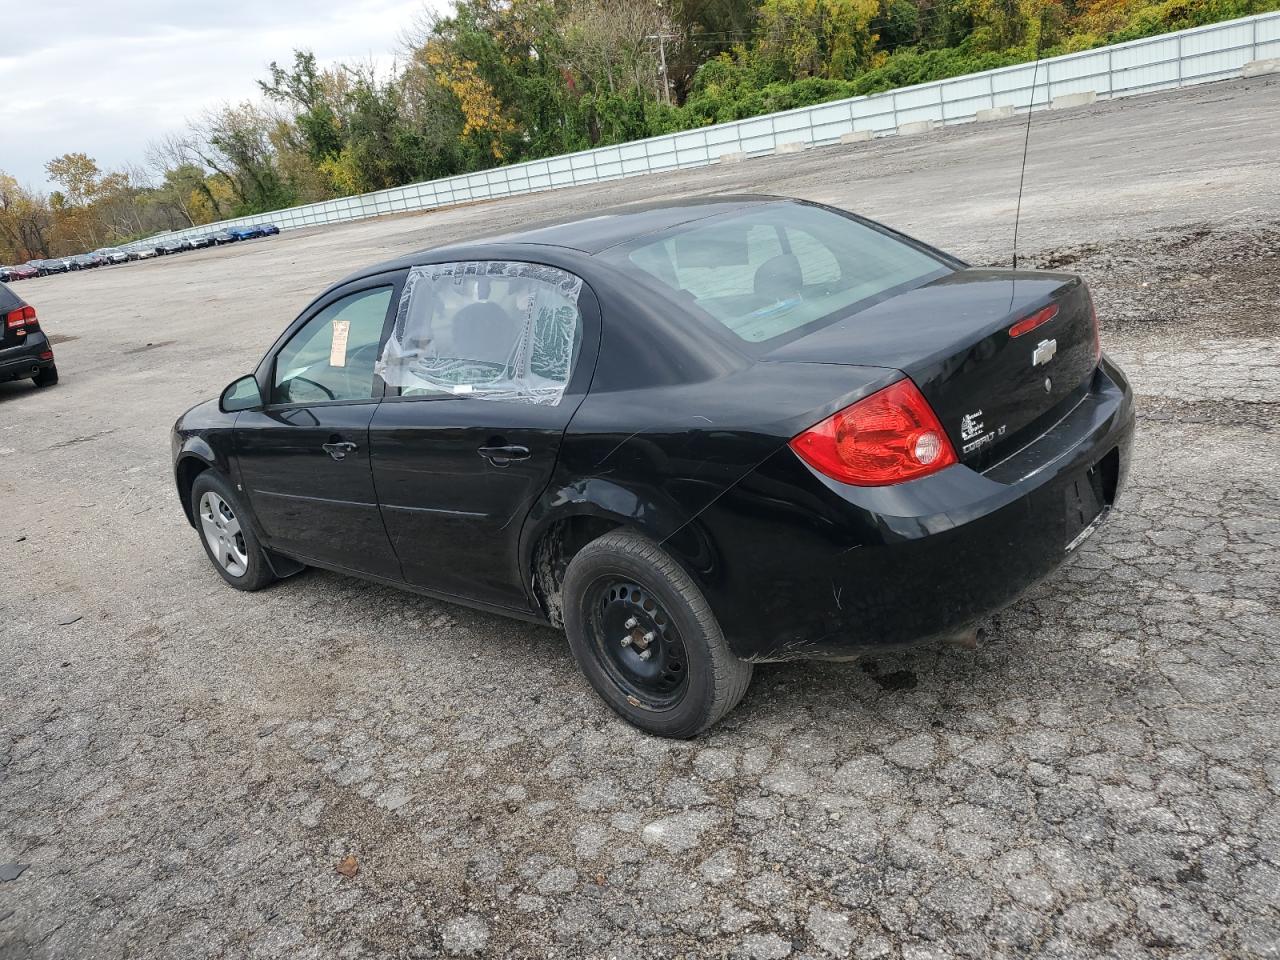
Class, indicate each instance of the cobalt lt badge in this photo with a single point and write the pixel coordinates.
(1044, 352)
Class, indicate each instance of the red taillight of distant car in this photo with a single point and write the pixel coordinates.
(22, 317)
(891, 436)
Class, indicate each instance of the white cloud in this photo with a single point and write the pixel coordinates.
(106, 79)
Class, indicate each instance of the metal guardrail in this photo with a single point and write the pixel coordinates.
(1172, 60)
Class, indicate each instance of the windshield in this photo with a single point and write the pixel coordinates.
(776, 268)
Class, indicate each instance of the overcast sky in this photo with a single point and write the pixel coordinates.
(103, 78)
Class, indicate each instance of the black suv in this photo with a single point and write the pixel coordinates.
(24, 349)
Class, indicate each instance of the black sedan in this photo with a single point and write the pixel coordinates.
(696, 436)
(25, 351)
(49, 267)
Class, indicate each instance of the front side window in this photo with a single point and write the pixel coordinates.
(333, 355)
(489, 330)
(776, 268)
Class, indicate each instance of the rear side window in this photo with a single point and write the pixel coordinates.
(489, 330)
(776, 268)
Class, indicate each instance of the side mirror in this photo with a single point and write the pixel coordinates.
(242, 394)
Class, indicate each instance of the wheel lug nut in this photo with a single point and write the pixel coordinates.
(646, 654)
(626, 640)
(649, 638)
(631, 623)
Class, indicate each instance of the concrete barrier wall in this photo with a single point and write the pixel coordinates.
(1200, 55)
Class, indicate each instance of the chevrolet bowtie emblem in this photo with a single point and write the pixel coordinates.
(1044, 352)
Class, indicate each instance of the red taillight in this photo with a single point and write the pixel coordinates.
(23, 316)
(46, 355)
(1037, 319)
(888, 437)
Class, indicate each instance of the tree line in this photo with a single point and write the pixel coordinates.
(502, 81)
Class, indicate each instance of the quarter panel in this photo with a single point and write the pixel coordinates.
(654, 459)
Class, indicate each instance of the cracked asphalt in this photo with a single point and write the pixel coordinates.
(183, 768)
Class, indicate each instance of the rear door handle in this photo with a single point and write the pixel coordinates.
(340, 449)
(501, 456)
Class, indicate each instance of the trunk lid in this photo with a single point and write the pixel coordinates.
(951, 336)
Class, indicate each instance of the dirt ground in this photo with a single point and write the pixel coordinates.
(182, 767)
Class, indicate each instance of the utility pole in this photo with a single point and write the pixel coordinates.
(662, 39)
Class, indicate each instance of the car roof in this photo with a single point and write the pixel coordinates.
(588, 235)
(612, 226)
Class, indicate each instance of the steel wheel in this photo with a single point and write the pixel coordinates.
(223, 534)
(640, 648)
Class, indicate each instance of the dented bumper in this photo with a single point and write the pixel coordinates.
(800, 566)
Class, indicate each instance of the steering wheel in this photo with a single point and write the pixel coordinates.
(357, 373)
(319, 386)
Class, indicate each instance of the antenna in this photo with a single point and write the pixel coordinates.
(1026, 140)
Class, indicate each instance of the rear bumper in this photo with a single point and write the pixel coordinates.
(805, 567)
(20, 362)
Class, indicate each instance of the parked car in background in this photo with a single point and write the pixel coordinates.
(143, 253)
(268, 229)
(698, 435)
(245, 233)
(224, 236)
(204, 240)
(23, 271)
(166, 247)
(5, 275)
(113, 254)
(25, 351)
(54, 265)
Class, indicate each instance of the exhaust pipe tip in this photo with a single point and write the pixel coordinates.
(967, 639)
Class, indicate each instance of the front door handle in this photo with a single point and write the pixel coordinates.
(501, 456)
(339, 449)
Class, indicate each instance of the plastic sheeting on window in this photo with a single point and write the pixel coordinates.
(489, 329)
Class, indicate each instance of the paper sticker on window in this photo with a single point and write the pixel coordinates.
(492, 330)
(338, 351)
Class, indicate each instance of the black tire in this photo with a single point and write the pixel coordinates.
(623, 573)
(257, 572)
(47, 376)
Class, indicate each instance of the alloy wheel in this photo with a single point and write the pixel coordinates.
(223, 534)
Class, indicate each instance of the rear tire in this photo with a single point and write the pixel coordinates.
(625, 596)
(47, 376)
(224, 531)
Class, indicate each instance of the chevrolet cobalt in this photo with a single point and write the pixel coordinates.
(696, 435)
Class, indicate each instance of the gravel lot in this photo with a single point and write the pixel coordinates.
(182, 767)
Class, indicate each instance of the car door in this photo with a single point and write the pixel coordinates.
(304, 457)
(486, 364)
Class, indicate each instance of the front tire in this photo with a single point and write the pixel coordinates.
(646, 638)
(47, 376)
(228, 541)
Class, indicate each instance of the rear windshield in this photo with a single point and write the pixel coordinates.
(774, 269)
(8, 301)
